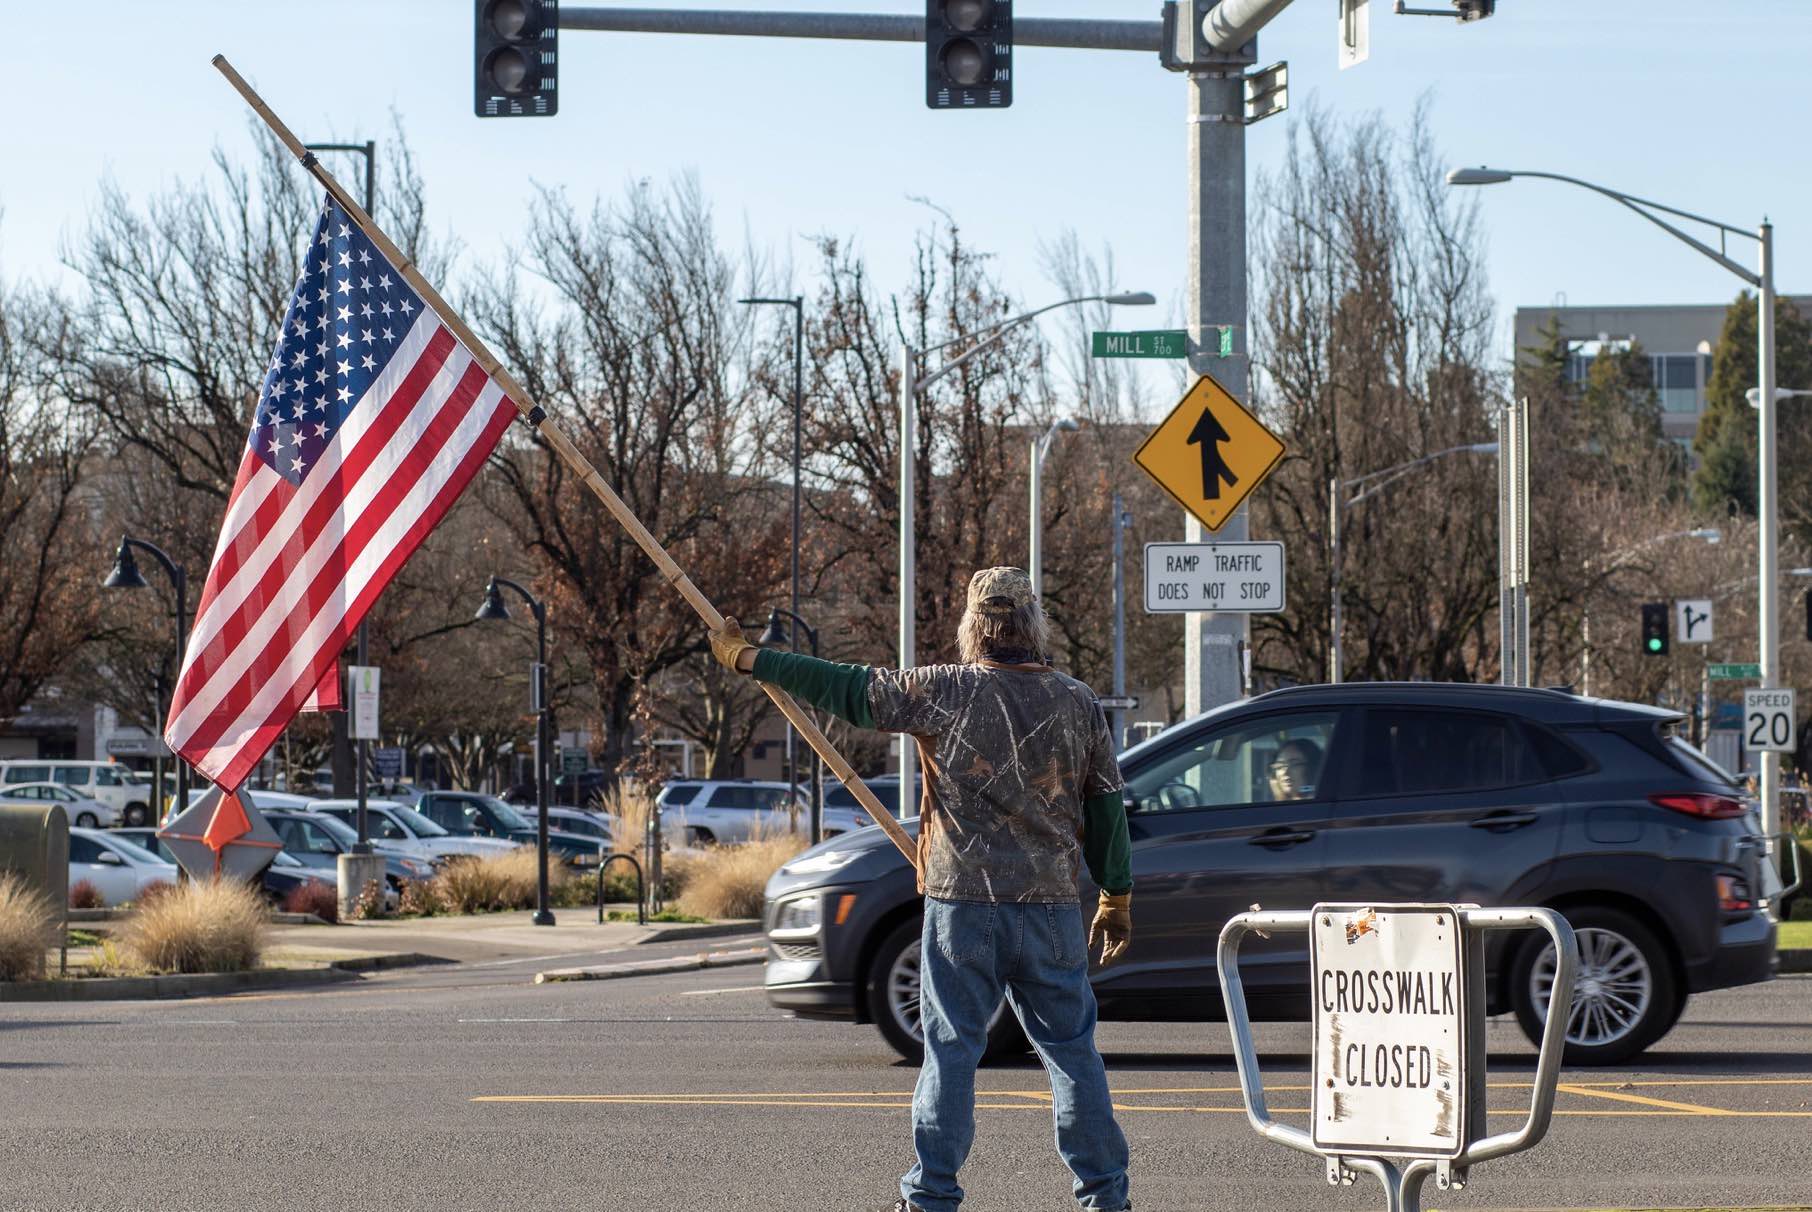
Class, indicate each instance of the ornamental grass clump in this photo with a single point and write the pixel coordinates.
(728, 881)
(201, 926)
(28, 928)
(485, 885)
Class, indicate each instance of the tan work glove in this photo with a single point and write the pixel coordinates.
(728, 646)
(1112, 926)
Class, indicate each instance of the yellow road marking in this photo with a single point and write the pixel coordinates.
(1664, 1104)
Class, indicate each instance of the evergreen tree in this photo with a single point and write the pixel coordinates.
(1726, 441)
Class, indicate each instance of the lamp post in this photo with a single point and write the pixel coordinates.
(1612, 561)
(494, 608)
(774, 637)
(1338, 504)
(125, 575)
(1041, 446)
(797, 303)
(911, 384)
(1767, 508)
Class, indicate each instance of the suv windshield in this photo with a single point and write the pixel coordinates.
(342, 833)
(420, 825)
(505, 815)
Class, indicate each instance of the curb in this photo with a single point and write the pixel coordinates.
(682, 963)
(1796, 959)
(78, 917)
(203, 984)
(685, 930)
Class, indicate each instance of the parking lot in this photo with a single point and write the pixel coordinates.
(469, 1087)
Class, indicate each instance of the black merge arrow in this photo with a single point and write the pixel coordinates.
(1209, 435)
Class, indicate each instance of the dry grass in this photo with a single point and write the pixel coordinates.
(202, 926)
(28, 928)
(482, 885)
(727, 881)
(630, 806)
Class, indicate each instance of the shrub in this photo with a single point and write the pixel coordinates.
(370, 903)
(28, 928)
(150, 892)
(313, 896)
(420, 898)
(84, 895)
(727, 881)
(203, 926)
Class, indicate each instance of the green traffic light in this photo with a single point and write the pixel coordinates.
(1654, 645)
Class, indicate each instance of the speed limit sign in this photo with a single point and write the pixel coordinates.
(1768, 720)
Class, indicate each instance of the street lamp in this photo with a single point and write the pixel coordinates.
(1041, 446)
(911, 384)
(773, 637)
(1612, 561)
(494, 608)
(1754, 395)
(1338, 504)
(125, 575)
(797, 303)
(1768, 538)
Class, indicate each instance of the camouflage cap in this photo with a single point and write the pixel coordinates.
(1005, 582)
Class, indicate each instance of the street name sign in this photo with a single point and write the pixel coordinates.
(1734, 671)
(1692, 620)
(1233, 577)
(1770, 723)
(1164, 343)
(1210, 453)
(1390, 1060)
(1118, 702)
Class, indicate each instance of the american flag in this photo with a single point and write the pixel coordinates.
(372, 419)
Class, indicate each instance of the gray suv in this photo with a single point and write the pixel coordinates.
(1366, 791)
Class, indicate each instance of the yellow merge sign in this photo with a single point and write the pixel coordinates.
(1210, 453)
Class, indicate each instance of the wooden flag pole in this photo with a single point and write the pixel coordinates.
(572, 456)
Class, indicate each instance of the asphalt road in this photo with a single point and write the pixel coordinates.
(471, 1088)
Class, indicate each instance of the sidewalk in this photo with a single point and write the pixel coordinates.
(484, 937)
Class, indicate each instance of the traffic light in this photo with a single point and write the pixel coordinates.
(1654, 628)
(515, 50)
(968, 54)
(1475, 10)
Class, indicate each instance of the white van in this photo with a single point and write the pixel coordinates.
(109, 782)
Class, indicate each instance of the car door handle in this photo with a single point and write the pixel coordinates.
(1282, 837)
(1504, 822)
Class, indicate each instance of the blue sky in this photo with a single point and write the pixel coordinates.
(1703, 106)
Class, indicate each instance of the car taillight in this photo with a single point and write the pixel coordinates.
(1733, 894)
(1700, 804)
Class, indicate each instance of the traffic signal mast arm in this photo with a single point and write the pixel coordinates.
(1073, 33)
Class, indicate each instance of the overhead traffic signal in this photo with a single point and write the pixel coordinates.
(1654, 628)
(968, 54)
(515, 52)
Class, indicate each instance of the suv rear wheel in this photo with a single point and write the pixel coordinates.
(137, 814)
(1625, 997)
(893, 1000)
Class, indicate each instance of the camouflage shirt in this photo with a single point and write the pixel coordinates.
(1010, 753)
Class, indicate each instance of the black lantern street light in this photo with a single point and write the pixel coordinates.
(494, 608)
(775, 636)
(125, 575)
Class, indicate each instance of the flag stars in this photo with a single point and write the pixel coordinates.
(365, 310)
(366, 336)
(345, 314)
(295, 465)
(320, 429)
(345, 367)
(344, 341)
(345, 394)
(407, 309)
(389, 336)
(364, 283)
(364, 256)
(386, 310)
(383, 281)
(368, 362)
(343, 285)
(345, 259)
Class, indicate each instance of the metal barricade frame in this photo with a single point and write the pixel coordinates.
(1402, 1178)
(641, 886)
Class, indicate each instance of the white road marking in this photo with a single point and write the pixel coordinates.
(517, 1020)
(709, 992)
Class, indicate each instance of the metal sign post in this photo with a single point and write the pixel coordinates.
(1399, 1054)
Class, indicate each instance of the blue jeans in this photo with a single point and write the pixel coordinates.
(971, 952)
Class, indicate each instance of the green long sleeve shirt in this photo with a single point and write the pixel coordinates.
(927, 704)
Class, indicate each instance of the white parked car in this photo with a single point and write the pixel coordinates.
(408, 830)
(575, 820)
(109, 782)
(704, 812)
(79, 809)
(118, 869)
